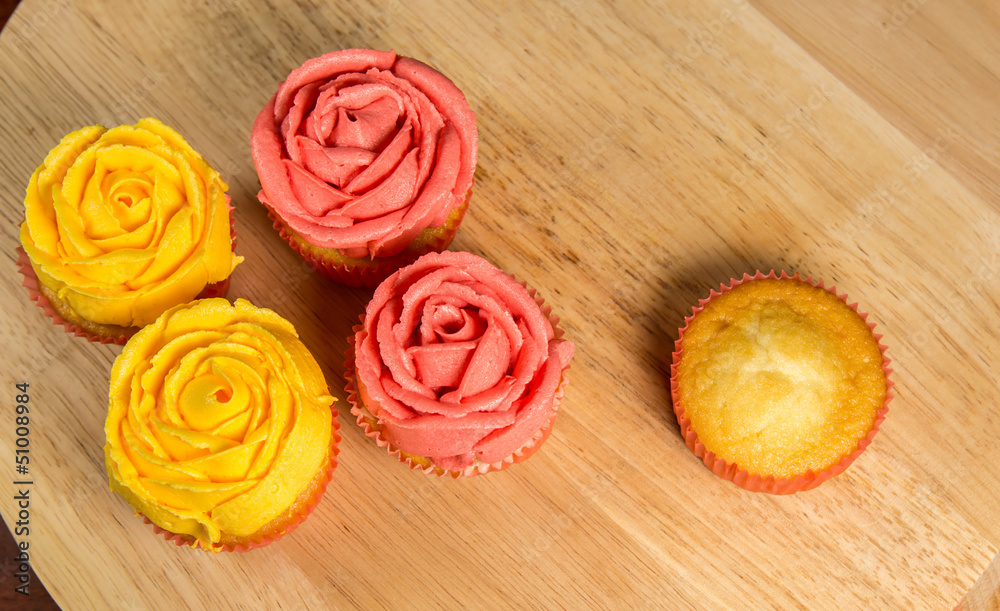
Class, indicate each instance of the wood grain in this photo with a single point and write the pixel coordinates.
(633, 155)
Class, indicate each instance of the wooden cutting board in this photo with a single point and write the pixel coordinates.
(633, 155)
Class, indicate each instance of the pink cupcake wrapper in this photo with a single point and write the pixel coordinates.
(730, 471)
(521, 454)
(370, 275)
(192, 542)
(219, 289)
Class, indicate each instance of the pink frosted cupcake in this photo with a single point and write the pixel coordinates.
(457, 368)
(366, 162)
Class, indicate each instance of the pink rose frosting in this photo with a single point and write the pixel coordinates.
(361, 150)
(458, 361)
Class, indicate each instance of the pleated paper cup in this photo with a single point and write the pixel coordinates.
(731, 471)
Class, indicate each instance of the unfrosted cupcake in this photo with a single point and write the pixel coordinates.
(778, 384)
(366, 162)
(457, 368)
(121, 224)
(220, 429)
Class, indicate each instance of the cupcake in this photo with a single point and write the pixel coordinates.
(366, 162)
(456, 368)
(122, 224)
(778, 384)
(220, 429)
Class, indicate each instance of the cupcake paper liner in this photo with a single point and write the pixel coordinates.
(730, 471)
(219, 289)
(370, 425)
(371, 274)
(304, 512)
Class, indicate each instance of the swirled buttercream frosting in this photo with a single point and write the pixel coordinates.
(360, 151)
(123, 223)
(458, 361)
(218, 420)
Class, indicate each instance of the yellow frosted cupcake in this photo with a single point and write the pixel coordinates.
(121, 224)
(778, 384)
(220, 429)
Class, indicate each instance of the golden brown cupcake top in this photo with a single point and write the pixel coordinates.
(780, 377)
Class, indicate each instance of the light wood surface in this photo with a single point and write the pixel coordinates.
(633, 155)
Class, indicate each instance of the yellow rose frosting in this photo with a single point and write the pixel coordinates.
(218, 419)
(123, 223)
